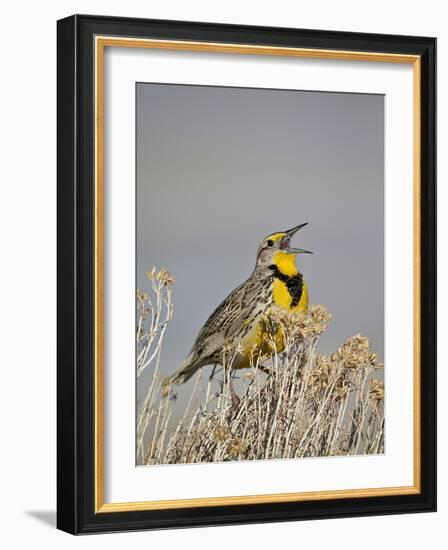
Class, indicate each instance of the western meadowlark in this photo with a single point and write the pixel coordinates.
(240, 319)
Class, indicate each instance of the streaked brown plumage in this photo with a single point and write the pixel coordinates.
(239, 319)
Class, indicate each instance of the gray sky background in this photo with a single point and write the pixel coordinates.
(218, 169)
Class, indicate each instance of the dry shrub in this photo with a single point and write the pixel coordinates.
(297, 403)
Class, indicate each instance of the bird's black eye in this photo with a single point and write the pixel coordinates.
(270, 243)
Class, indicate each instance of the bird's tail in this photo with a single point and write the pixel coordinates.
(182, 374)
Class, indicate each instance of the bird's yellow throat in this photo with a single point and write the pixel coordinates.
(286, 263)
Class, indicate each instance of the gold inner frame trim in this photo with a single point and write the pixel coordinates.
(101, 42)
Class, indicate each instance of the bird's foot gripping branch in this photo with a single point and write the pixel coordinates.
(290, 404)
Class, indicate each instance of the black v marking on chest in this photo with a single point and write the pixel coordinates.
(293, 283)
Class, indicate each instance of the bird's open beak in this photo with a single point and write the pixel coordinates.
(286, 241)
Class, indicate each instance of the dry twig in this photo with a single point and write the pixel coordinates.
(308, 405)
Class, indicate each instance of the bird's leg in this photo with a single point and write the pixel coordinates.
(233, 395)
(211, 377)
(213, 373)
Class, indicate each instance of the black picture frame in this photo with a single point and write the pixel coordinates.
(76, 264)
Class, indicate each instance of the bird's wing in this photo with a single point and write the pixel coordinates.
(226, 321)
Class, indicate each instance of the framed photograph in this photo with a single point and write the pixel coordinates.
(246, 274)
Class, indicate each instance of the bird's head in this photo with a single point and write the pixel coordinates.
(277, 246)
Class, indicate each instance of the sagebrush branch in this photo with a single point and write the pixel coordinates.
(297, 403)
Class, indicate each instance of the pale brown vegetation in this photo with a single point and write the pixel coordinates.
(297, 403)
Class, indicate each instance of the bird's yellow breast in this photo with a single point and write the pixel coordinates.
(281, 295)
(283, 298)
(255, 344)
